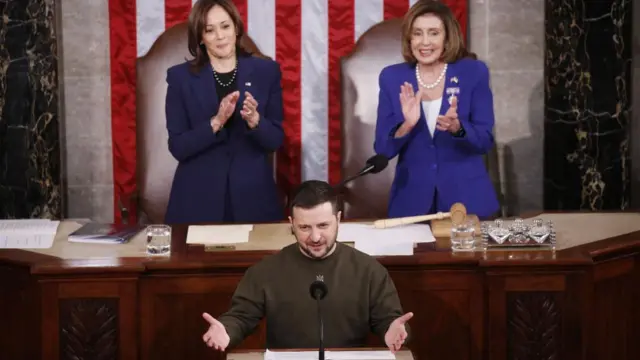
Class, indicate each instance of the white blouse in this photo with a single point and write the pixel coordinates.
(431, 110)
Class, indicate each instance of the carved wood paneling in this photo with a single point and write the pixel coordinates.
(89, 329)
(534, 326)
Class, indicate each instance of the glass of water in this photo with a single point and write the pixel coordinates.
(158, 239)
(463, 236)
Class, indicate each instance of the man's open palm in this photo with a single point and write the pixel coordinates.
(397, 333)
(216, 337)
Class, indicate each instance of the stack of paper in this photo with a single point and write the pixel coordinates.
(218, 234)
(27, 233)
(397, 240)
(329, 355)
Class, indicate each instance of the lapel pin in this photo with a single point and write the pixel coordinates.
(247, 84)
(454, 79)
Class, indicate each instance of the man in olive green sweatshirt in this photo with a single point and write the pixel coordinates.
(361, 296)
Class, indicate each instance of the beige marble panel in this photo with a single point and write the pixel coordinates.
(89, 164)
(478, 26)
(85, 37)
(94, 202)
(516, 34)
(519, 109)
(87, 108)
(519, 104)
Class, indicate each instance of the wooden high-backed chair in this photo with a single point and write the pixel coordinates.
(155, 165)
(380, 46)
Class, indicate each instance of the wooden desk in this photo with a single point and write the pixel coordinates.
(104, 301)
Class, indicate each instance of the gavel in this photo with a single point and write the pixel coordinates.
(457, 213)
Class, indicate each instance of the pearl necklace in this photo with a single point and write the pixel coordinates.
(233, 77)
(432, 85)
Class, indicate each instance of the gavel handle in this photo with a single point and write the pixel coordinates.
(387, 223)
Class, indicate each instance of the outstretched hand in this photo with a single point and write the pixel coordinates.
(216, 337)
(410, 103)
(225, 110)
(449, 121)
(396, 335)
(249, 110)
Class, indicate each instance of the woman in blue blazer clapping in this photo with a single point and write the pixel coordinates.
(435, 113)
(224, 117)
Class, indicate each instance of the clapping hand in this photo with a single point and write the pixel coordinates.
(249, 110)
(225, 110)
(410, 103)
(397, 333)
(216, 337)
(449, 121)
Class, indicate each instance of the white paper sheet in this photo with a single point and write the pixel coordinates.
(27, 233)
(329, 355)
(417, 233)
(218, 234)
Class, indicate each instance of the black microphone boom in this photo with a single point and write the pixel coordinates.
(318, 291)
(374, 165)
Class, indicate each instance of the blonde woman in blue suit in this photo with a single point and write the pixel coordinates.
(435, 113)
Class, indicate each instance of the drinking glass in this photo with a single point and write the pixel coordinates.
(158, 239)
(463, 236)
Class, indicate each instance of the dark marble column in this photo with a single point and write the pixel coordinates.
(587, 104)
(29, 134)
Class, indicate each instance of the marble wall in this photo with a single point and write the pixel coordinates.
(30, 160)
(508, 34)
(87, 103)
(588, 101)
(635, 111)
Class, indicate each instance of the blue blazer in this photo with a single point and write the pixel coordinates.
(234, 160)
(452, 165)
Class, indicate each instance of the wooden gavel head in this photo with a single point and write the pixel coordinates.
(458, 213)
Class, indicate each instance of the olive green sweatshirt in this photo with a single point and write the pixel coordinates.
(361, 298)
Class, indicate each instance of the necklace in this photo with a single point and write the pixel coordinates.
(432, 85)
(233, 76)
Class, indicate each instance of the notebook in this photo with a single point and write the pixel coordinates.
(105, 233)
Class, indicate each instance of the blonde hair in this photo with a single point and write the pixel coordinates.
(454, 48)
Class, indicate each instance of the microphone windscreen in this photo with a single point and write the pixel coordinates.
(378, 162)
(318, 289)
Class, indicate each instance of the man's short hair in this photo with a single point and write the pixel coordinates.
(312, 193)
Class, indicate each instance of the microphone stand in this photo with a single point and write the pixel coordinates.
(351, 178)
(320, 331)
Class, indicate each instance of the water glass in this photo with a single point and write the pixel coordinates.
(158, 239)
(463, 236)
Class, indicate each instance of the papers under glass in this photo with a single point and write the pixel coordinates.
(27, 233)
(219, 234)
(330, 355)
(395, 241)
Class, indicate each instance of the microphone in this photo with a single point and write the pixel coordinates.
(373, 165)
(318, 291)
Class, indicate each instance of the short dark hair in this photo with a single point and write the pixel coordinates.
(312, 193)
(454, 48)
(197, 22)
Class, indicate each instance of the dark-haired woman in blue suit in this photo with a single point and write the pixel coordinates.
(440, 132)
(224, 117)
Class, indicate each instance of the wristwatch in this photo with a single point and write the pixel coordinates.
(460, 132)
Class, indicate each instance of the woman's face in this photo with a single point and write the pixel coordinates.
(219, 34)
(427, 39)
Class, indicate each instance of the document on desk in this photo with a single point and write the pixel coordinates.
(329, 355)
(27, 233)
(218, 234)
(380, 242)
